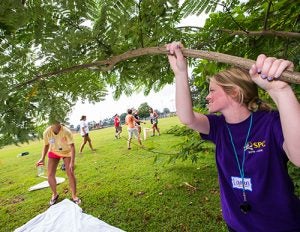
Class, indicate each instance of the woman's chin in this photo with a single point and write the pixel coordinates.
(211, 110)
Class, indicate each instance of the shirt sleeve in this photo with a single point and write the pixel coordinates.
(213, 120)
(277, 129)
(46, 138)
(82, 124)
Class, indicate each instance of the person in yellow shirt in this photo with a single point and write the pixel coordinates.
(130, 121)
(59, 144)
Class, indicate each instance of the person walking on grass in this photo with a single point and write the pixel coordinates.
(59, 144)
(253, 142)
(118, 127)
(130, 121)
(154, 121)
(84, 131)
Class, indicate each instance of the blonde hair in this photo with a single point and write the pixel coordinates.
(237, 80)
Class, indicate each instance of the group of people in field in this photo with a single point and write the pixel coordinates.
(133, 122)
(253, 141)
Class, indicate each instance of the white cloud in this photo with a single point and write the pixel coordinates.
(193, 20)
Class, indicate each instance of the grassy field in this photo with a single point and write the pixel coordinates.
(126, 189)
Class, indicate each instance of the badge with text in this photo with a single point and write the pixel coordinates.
(237, 183)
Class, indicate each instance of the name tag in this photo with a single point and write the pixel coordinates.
(51, 140)
(238, 183)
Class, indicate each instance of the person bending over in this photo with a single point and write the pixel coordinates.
(59, 144)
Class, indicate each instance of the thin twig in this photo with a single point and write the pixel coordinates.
(267, 16)
(286, 34)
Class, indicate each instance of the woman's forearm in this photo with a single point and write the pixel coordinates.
(289, 110)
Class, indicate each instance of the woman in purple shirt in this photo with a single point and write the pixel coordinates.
(253, 142)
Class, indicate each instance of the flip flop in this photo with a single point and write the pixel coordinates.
(77, 201)
(53, 200)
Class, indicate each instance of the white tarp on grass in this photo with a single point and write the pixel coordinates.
(66, 216)
(45, 183)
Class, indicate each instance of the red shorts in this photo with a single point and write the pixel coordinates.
(53, 155)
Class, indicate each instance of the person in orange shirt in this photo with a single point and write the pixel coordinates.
(130, 121)
(59, 143)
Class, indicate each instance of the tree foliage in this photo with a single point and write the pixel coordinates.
(54, 35)
(42, 36)
(259, 16)
(144, 110)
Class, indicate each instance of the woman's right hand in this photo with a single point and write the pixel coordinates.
(41, 161)
(176, 59)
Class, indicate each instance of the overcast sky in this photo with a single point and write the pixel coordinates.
(108, 108)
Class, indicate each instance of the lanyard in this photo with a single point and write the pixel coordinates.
(245, 207)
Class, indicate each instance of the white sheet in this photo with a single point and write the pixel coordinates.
(45, 183)
(66, 216)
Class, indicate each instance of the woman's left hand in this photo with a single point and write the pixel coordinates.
(266, 72)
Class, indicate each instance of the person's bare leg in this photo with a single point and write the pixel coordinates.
(83, 144)
(72, 178)
(139, 140)
(157, 129)
(128, 143)
(90, 143)
(52, 166)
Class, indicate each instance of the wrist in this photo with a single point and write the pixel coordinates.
(279, 91)
(182, 74)
(281, 94)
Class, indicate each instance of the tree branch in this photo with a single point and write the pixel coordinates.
(107, 65)
(267, 32)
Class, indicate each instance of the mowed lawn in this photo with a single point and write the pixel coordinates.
(134, 190)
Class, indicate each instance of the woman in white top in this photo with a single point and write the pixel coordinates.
(84, 131)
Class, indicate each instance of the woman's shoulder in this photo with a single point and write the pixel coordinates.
(47, 131)
(66, 129)
(266, 115)
(215, 117)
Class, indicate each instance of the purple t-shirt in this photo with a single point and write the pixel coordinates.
(269, 189)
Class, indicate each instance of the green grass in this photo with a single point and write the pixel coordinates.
(126, 189)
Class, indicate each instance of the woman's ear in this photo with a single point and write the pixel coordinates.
(236, 94)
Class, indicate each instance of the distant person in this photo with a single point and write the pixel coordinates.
(59, 143)
(130, 121)
(154, 121)
(118, 127)
(84, 131)
(138, 123)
